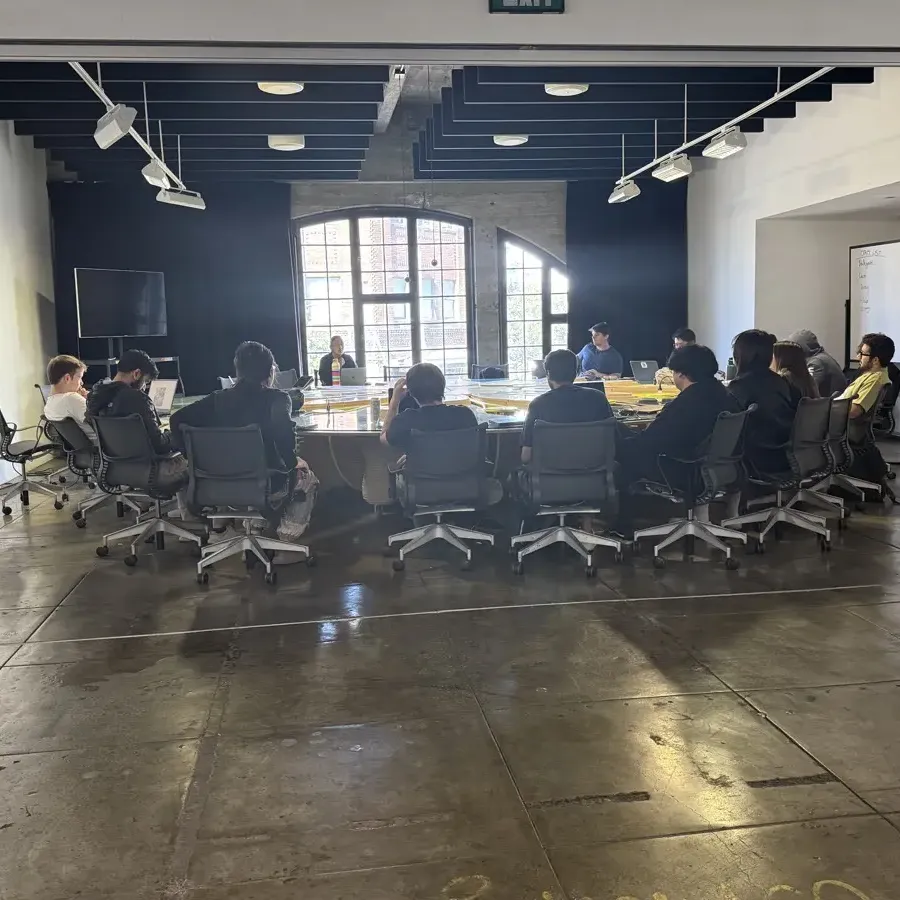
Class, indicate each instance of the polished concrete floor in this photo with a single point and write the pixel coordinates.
(356, 734)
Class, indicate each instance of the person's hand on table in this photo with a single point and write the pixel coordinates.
(592, 373)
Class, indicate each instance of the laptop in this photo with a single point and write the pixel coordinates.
(644, 370)
(353, 377)
(162, 393)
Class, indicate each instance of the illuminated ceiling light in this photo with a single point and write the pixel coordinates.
(726, 144)
(566, 90)
(287, 141)
(154, 174)
(678, 166)
(510, 140)
(282, 88)
(114, 125)
(624, 192)
(189, 199)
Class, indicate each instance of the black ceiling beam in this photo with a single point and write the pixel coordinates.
(668, 74)
(128, 178)
(521, 175)
(194, 167)
(263, 154)
(202, 142)
(608, 165)
(132, 92)
(53, 127)
(466, 83)
(194, 112)
(560, 155)
(194, 72)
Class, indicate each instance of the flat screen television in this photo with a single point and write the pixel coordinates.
(120, 303)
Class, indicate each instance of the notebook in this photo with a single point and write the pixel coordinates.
(162, 393)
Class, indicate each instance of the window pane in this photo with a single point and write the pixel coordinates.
(396, 257)
(396, 282)
(341, 312)
(514, 282)
(337, 232)
(315, 259)
(514, 259)
(435, 357)
(430, 283)
(451, 233)
(532, 354)
(531, 261)
(312, 234)
(317, 313)
(391, 230)
(429, 257)
(318, 341)
(453, 256)
(516, 360)
(559, 304)
(453, 282)
(376, 337)
(534, 334)
(371, 259)
(373, 283)
(455, 309)
(455, 336)
(432, 337)
(559, 336)
(515, 334)
(515, 309)
(427, 231)
(533, 307)
(339, 258)
(430, 309)
(559, 283)
(533, 281)
(315, 286)
(340, 285)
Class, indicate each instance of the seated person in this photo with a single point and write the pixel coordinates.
(875, 354)
(565, 401)
(67, 396)
(789, 361)
(599, 357)
(824, 368)
(426, 384)
(684, 337)
(769, 427)
(126, 395)
(326, 363)
(252, 401)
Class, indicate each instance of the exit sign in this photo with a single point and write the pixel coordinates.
(527, 6)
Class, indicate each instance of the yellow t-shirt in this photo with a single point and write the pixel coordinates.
(864, 390)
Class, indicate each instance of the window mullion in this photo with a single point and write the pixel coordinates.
(356, 281)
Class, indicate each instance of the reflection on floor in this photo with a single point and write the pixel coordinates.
(355, 733)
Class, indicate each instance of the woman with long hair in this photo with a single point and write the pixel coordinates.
(789, 361)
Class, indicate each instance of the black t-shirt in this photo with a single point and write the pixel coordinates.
(568, 403)
(428, 418)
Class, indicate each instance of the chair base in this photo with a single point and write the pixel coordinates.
(26, 486)
(689, 528)
(852, 486)
(247, 543)
(439, 531)
(769, 518)
(141, 531)
(827, 503)
(582, 542)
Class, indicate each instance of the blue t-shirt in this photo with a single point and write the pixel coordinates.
(606, 362)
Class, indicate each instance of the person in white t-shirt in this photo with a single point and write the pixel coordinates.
(67, 396)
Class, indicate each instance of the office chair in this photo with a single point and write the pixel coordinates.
(840, 457)
(865, 453)
(572, 472)
(225, 382)
(19, 454)
(491, 371)
(808, 457)
(229, 475)
(285, 380)
(444, 474)
(129, 465)
(696, 482)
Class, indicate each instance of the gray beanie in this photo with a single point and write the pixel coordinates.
(807, 340)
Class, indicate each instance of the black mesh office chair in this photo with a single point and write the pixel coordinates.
(230, 477)
(444, 474)
(869, 470)
(226, 381)
(572, 472)
(285, 380)
(490, 371)
(715, 474)
(129, 465)
(808, 457)
(19, 453)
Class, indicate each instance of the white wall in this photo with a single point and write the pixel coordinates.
(830, 150)
(27, 315)
(638, 23)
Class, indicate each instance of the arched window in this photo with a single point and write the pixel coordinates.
(395, 285)
(534, 304)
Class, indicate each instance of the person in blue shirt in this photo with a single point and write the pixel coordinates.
(599, 358)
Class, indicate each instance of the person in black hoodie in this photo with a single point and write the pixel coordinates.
(125, 395)
(769, 427)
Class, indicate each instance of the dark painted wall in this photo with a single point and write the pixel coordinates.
(628, 266)
(228, 269)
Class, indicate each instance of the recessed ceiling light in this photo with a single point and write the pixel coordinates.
(566, 90)
(510, 140)
(287, 141)
(282, 88)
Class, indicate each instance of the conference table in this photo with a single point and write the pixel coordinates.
(338, 428)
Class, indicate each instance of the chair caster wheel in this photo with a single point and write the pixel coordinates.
(398, 565)
(102, 551)
(92, 485)
(271, 577)
(590, 571)
(57, 504)
(311, 561)
(78, 514)
(732, 564)
(825, 545)
(619, 556)
(203, 578)
(466, 565)
(7, 510)
(65, 498)
(659, 562)
(220, 529)
(518, 568)
(81, 523)
(130, 561)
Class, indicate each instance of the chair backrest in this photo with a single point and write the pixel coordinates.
(7, 433)
(444, 467)
(392, 373)
(225, 382)
(838, 434)
(720, 467)
(808, 449)
(862, 428)
(226, 467)
(572, 462)
(78, 446)
(127, 459)
(493, 370)
(45, 391)
(285, 380)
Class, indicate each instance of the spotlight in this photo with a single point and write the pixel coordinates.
(624, 192)
(190, 199)
(565, 90)
(154, 174)
(281, 88)
(114, 125)
(726, 144)
(679, 166)
(510, 140)
(287, 141)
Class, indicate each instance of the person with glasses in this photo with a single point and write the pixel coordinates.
(875, 354)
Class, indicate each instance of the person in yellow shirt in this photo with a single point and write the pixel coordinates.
(875, 353)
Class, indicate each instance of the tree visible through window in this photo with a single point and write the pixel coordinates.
(535, 304)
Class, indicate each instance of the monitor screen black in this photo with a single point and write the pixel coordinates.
(120, 303)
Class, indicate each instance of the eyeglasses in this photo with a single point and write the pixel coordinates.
(862, 353)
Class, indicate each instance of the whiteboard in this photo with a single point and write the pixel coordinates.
(874, 291)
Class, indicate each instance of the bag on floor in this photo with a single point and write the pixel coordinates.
(297, 513)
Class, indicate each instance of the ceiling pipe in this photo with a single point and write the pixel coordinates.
(85, 76)
(778, 95)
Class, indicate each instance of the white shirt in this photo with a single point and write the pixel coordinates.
(68, 406)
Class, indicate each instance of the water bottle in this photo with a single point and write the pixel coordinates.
(335, 372)
(730, 370)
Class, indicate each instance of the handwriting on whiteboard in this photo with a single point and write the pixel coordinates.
(864, 264)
